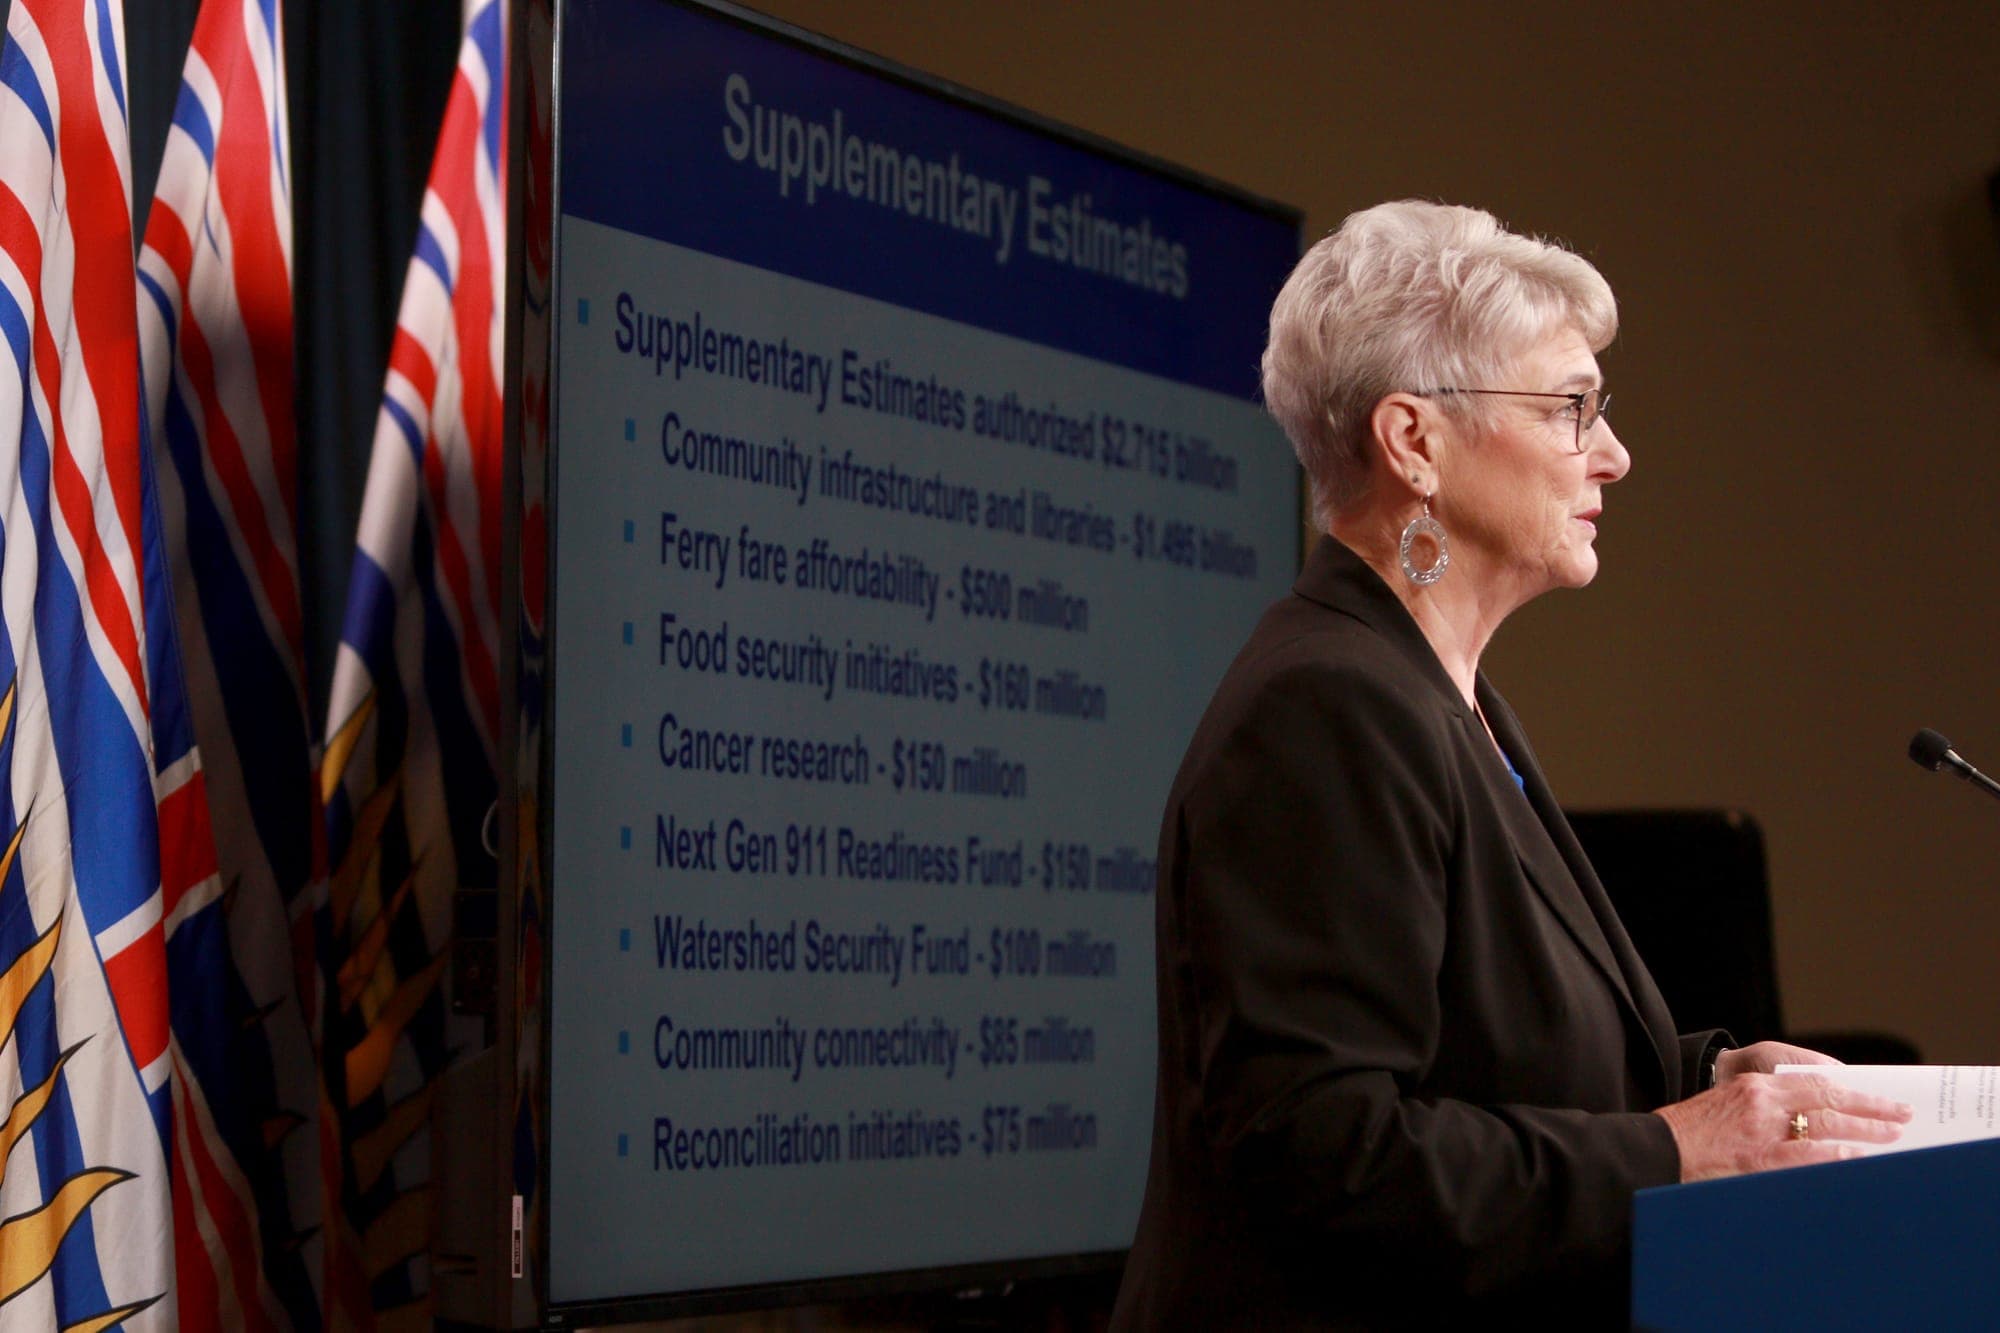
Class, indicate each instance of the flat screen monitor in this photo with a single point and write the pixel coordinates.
(907, 493)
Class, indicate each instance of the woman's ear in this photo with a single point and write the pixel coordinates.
(1405, 432)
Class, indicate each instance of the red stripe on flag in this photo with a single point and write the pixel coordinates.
(187, 844)
(233, 471)
(243, 169)
(107, 318)
(235, 1235)
(23, 245)
(195, 1286)
(166, 237)
(105, 599)
(456, 183)
(408, 358)
(137, 976)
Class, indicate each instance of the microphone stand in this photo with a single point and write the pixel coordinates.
(1976, 778)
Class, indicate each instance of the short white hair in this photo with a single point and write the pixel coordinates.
(1408, 297)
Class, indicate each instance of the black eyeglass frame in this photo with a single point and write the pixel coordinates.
(1576, 400)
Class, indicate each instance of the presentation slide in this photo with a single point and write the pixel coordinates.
(909, 495)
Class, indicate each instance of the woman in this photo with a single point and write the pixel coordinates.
(1411, 1070)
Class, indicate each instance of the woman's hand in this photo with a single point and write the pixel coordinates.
(1763, 1058)
(1747, 1123)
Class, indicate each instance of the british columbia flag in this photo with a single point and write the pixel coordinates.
(408, 774)
(215, 322)
(107, 881)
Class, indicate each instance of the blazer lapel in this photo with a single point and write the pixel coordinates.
(1555, 862)
(1337, 578)
(1538, 854)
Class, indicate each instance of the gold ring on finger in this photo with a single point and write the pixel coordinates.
(1801, 1127)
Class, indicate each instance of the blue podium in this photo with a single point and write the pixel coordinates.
(1905, 1240)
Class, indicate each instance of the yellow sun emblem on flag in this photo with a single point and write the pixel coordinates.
(29, 1241)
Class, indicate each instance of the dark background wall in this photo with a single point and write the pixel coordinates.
(1790, 200)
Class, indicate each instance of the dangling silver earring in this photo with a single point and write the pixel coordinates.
(1417, 529)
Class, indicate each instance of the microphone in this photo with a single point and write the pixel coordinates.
(1930, 751)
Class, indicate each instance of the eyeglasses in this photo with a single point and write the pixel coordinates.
(1589, 406)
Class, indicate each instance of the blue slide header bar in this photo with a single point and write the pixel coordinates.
(688, 128)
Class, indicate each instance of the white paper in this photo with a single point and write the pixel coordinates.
(1955, 1103)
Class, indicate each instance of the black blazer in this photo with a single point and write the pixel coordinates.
(1406, 1050)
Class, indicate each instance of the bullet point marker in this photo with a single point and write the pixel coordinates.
(624, 1043)
(628, 634)
(630, 531)
(583, 310)
(625, 735)
(624, 939)
(631, 429)
(623, 1146)
(625, 838)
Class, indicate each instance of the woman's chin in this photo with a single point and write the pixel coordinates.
(1575, 570)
